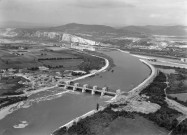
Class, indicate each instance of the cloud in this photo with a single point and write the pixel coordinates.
(154, 15)
(102, 4)
(129, 12)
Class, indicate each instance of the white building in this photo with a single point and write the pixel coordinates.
(82, 47)
(184, 60)
(43, 68)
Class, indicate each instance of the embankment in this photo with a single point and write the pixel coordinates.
(134, 91)
(95, 72)
(147, 81)
(7, 110)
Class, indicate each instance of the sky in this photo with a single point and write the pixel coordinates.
(104, 12)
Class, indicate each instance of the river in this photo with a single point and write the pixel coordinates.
(44, 113)
(127, 74)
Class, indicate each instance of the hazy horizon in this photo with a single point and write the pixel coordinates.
(101, 12)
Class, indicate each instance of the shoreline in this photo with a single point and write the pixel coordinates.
(147, 81)
(167, 109)
(9, 109)
(93, 73)
(161, 61)
(85, 76)
(134, 91)
(6, 110)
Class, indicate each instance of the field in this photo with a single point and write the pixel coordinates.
(32, 59)
(177, 79)
(10, 85)
(178, 83)
(64, 63)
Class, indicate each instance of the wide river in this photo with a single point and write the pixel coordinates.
(127, 74)
(46, 111)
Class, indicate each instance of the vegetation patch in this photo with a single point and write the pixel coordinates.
(9, 85)
(181, 129)
(177, 83)
(155, 90)
(94, 124)
(111, 65)
(10, 100)
(91, 63)
(165, 116)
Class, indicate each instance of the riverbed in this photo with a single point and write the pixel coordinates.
(53, 108)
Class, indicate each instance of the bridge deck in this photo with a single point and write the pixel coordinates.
(89, 89)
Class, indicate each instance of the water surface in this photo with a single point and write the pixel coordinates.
(47, 113)
(44, 117)
(127, 73)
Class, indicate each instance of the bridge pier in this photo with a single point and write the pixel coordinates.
(84, 87)
(103, 91)
(118, 92)
(75, 86)
(66, 84)
(94, 89)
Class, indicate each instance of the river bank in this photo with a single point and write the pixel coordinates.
(8, 109)
(101, 120)
(134, 92)
(95, 71)
(128, 68)
(97, 126)
(163, 61)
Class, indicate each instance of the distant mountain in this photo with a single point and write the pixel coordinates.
(177, 30)
(99, 33)
(96, 32)
(74, 27)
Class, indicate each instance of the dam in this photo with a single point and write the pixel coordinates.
(45, 116)
(89, 89)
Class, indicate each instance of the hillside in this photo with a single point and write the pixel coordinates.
(91, 34)
(94, 32)
(103, 31)
(159, 30)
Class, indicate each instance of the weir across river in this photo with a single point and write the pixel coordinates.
(89, 89)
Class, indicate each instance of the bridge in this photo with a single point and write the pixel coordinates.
(85, 88)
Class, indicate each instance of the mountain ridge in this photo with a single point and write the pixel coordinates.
(104, 30)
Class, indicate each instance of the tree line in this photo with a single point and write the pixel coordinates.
(41, 59)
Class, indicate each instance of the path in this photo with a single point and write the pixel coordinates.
(175, 105)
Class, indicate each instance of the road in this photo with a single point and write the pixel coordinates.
(163, 61)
